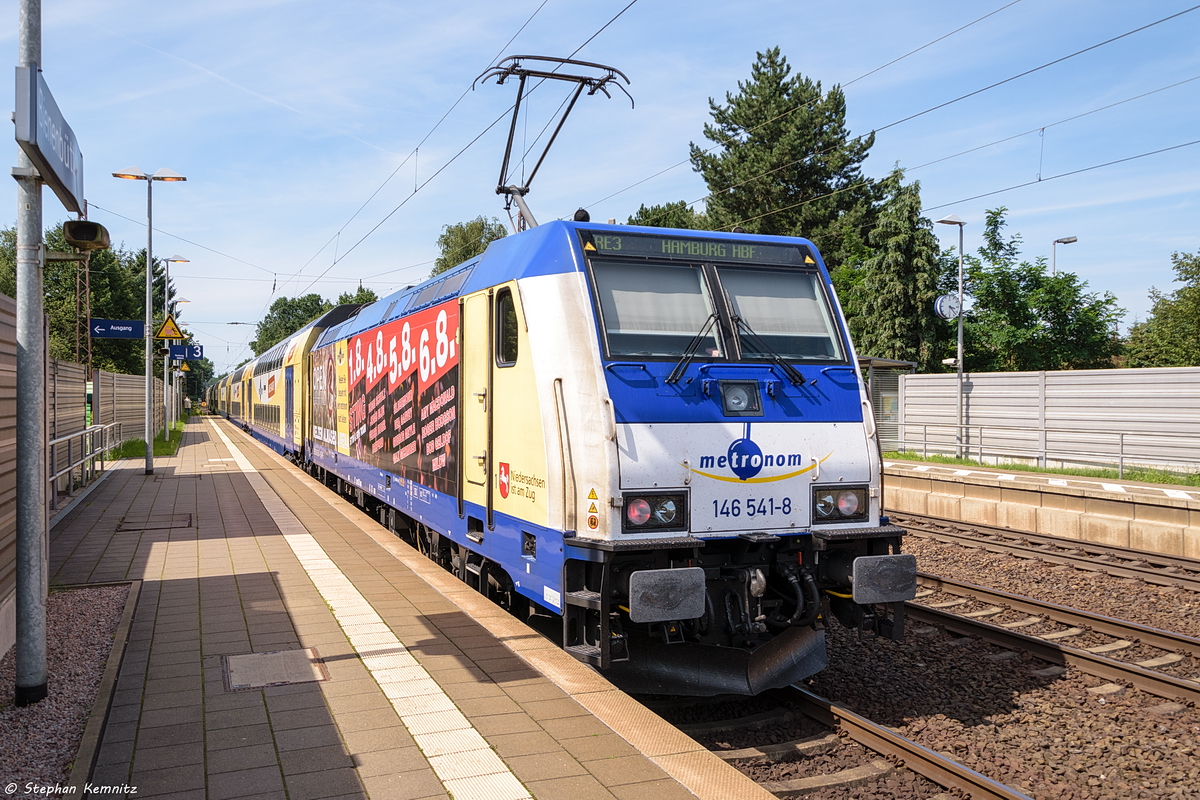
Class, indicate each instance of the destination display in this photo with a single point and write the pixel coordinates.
(640, 245)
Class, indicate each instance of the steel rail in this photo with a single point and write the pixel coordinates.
(1121, 629)
(1155, 683)
(936, 767)
(1150, 574)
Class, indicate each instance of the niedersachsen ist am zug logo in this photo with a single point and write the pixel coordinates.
(745, 459)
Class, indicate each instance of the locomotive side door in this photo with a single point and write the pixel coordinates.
(289, 406)
(476, 400)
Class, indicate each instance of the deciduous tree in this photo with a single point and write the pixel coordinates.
(286, 316)
(1171, 336)
(1024, 319)
(464, 240)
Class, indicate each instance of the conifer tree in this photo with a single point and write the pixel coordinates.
(784, 162)
(900, 283)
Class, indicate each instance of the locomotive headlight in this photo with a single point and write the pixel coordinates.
(657, 512)
(665, 511)
(741, 399)
(637, 512)
(848, 503)
(824, 505)
(839, 504)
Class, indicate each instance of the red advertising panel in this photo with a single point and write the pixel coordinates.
(403, 403)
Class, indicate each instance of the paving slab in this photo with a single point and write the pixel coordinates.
(423, 690)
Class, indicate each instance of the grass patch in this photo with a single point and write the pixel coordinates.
(136, 448)
(1140, 474)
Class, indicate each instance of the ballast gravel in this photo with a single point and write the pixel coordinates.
(1050, 732)
(1043, 733)
(38, 743)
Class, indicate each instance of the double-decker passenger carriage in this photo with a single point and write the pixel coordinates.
(266, 396)
(660, 436)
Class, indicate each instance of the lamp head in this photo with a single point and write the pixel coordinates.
(953, 219)
(132, 174)
(1067, 240)
(165, 174)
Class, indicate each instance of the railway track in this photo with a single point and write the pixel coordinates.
(1122, 562)
(1046, 629)
(887, 749)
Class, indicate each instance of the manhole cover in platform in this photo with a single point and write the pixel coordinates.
(259, 670)
(155, 522)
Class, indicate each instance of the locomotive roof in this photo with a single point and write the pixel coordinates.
(549, 249)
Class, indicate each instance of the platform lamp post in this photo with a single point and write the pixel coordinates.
(954, 219)
(1054, 255)
(136, 174)
(168, 311)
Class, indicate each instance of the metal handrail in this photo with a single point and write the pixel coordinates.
(971, 444)
(93, 443)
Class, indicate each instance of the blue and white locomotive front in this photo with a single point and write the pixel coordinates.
(659, 435)
(743, 506)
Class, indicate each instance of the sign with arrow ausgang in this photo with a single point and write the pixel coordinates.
(117, 328)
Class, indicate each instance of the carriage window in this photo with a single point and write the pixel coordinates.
(653, 309)
(786, 310)
(506, 329)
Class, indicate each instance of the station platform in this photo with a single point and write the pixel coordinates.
(286, 646)
(1012, 476)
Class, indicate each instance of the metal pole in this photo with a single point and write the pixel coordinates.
(959, 358)
(1053, 259)
(166, 358)
(149, 420)
(32, 542)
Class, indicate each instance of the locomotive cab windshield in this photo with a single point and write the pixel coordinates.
(669, 298)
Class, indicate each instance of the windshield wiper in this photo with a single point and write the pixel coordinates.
(761, 345)
(689, 352)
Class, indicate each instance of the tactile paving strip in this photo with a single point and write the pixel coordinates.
(461, 758)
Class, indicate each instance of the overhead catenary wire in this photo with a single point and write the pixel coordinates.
(416, 149)
(949, 157)
(975, 197)
(941, 106)
(454, 158)
(810, 105)
(918, 114)
(1063, 175)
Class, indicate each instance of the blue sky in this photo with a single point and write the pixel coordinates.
(287, 116)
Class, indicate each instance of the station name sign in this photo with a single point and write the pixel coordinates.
(639, 245)
(47, 139)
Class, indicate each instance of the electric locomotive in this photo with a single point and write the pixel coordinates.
(659, 437)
